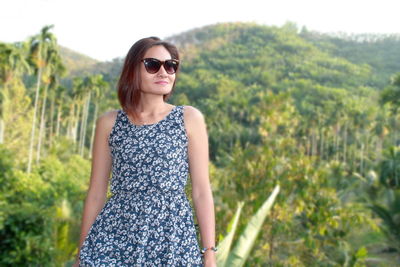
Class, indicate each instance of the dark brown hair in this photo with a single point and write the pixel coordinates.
(129, 81)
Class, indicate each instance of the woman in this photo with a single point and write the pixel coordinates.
(150, 147)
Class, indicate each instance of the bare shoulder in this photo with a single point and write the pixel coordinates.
(192, 114)
(193, 118)
(106, 121)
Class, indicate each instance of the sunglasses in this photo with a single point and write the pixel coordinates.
(153, 65)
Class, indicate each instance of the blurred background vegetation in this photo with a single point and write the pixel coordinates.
(315, 113)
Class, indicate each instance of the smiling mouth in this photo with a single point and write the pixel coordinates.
(162, 82)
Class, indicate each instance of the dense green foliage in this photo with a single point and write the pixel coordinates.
(314, 113)
(381, 52)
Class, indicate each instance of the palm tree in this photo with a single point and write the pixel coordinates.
(39, 46)
(88, 85)
(389, 212)
(391, 95)
(73, 116)
(54, 69)
(80, 99)
(98, 91)
(57, 98)
(12, 64)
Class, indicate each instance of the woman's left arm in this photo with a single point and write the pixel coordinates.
(199, 173)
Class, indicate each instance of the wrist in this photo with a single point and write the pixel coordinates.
(209, 253)
(207, 249)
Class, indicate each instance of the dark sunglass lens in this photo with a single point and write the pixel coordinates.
(152, 65)
(171, 66)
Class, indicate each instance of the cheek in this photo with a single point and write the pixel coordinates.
(145, 79)
(144, 75)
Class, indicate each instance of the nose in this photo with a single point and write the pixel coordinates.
(162, 71)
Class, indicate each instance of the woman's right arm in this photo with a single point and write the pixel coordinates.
(99, 177)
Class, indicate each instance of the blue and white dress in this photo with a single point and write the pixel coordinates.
(148, 220)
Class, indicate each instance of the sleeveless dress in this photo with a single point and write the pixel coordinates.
(148, 219)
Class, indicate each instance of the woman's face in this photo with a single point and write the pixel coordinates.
(159, 83)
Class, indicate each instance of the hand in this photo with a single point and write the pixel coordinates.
(210, 259)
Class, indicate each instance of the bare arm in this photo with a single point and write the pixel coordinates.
(100, 173)
(199, 174)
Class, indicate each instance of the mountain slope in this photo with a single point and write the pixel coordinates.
(76, 62)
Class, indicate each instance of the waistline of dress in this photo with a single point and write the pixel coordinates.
(141, 193)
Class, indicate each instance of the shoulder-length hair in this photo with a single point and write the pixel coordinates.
(129, 81)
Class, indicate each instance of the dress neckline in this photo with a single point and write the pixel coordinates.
(152, 124)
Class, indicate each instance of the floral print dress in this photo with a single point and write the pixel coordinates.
(148, 220)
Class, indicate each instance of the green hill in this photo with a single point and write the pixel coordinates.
(374, 58)
(76, 62)
(226, 66)
(380, 51)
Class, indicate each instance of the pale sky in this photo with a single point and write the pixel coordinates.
(107, 29)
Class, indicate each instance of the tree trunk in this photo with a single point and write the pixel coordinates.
(76, 123)
(395, 129)
(314, 143)
(345, 143)
(51, 134)
(337, 145)
(2, 126)
(362, 158)
(379, 147)
(2, 112)
(93, 130)
(42, 125)
(81, 129)
(85, 120)
(39, 77)
(321, 145)
(71, 131)
(367, 142)
(58, 120)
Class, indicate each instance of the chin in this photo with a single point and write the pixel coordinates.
(158, 91)
(165, 90)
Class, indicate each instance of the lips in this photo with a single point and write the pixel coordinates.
(162, 82)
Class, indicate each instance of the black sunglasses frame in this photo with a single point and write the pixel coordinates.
(161, 63)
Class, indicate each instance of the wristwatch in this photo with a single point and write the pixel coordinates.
(203, 250)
